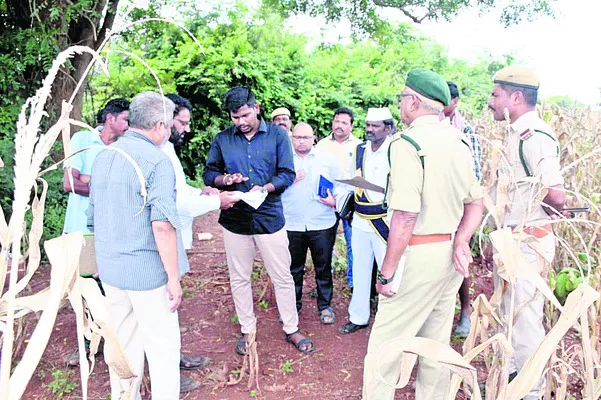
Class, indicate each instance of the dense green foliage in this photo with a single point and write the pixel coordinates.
(239, 47)
(365, 17)
(284, 69)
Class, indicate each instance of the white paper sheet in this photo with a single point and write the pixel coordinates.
(253, 199)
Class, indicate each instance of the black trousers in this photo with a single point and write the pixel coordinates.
(320, 243)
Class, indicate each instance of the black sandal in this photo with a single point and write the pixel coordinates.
(299, 345)
(241, 346)
(349, 327)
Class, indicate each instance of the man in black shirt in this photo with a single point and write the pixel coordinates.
(254, 155)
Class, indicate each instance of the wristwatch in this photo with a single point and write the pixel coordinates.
(383, 280)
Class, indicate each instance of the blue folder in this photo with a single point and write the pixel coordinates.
(324, 185)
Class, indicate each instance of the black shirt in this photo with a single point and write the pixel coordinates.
(265, 158)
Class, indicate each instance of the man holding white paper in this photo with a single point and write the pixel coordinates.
(254, 155)
(309, 209)
(370, 224)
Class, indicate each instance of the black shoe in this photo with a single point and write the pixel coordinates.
(187, 384)
(349, 327)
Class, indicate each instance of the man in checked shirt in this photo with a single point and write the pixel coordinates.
(463, 326)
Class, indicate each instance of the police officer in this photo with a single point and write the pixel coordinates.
(435, 202)
(533, 164)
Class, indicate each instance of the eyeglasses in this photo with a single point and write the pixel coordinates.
(184, 123)
(400, 96)
(302, 137)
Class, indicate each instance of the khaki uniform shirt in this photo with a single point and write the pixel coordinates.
(541, 155)
(344, 152)
(439, 190)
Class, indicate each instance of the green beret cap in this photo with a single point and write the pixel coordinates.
(516, 75)
(429, 84)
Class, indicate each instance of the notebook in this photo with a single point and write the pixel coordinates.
(324, 185)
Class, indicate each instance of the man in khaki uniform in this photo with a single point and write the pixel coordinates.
(281, 117)
(533, 163)
(435, 203)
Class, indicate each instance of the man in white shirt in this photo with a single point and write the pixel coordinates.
(191, 202)
(370, 223)
(309, 210)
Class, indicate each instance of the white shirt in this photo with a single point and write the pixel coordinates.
(302, 209)
(189, 202)
(375, 170)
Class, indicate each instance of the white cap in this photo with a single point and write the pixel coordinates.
(378, 114)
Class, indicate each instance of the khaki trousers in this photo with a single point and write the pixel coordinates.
(424, 306)
(145, 326)
(528, 330)
(240, 251)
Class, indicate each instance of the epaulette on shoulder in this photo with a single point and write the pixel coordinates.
(527, 134)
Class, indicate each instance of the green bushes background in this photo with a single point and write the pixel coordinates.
(240, 47)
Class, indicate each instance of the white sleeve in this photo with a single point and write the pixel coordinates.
(191, 203)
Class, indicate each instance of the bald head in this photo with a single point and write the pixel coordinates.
(302, 138)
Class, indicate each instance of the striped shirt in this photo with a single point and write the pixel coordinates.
(126, 251)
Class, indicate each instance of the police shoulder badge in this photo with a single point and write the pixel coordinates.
(527, 134)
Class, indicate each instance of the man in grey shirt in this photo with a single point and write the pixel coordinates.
(139, 252)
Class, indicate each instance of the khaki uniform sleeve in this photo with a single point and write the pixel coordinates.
(406, 178)
(540, 152)
(475, 192)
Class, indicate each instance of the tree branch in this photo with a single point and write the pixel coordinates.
(109, 19)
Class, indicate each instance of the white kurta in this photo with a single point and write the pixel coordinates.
(189, 201)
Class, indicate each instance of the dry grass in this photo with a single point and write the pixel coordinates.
(569, 356)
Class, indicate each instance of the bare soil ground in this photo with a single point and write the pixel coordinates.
(332, 371)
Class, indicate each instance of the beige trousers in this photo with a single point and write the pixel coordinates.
(240, 251)
(145, 327)
(528, 330)
(424, 306)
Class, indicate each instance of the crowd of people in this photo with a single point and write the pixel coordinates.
(409, 201)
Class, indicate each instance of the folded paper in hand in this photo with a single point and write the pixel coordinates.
(253, 199)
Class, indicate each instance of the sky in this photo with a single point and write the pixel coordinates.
(564, 51)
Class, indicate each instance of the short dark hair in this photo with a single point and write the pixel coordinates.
(453, 89)
(347, 111)
(238, 97)
(179, 102)
(390, 122)
(114, 106)
(530, 94)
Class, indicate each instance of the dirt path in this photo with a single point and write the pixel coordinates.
(332, 371)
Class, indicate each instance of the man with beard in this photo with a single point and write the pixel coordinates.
(254, 155)
(281, 117)
(191, 202)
